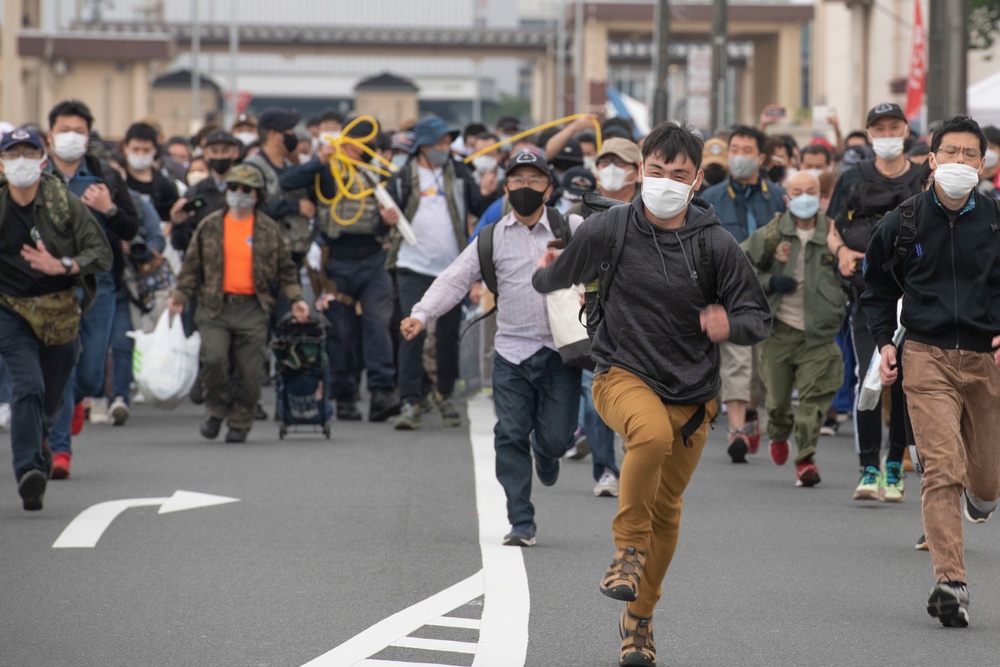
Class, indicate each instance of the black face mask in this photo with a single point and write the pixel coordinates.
(526, 200)
(291, 141)
(220, 165)
(776, 174)
(714, 173)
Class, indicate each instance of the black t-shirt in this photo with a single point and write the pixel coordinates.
(17, 278)
(161, 192)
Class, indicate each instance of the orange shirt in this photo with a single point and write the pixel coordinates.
(237, 262)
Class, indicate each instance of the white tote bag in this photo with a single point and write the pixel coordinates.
(568, 333)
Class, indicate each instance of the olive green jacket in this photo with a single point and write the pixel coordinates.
(203, 271)
(773, 250)
(67, 229)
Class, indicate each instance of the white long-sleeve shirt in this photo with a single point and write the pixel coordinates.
(522, 319)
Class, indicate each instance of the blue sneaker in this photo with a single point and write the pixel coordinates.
(547, 469)
(521, 535)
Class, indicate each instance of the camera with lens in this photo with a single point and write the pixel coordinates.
(139, 249)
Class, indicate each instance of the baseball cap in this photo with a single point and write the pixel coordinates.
(716, 152)
(886, 109)
(220, 136)
(528, 157)
(278, 119)
(245, 119)
(21, 136)
(623, 148)
(246, 174)
(403, 141)
(579, 181)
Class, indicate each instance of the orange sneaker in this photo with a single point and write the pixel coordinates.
(79, 417)
(60, 465)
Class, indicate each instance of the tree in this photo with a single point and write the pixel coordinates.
(984, 21)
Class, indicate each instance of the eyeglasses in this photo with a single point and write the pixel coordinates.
(953, 151)
(617, 161)
(28, 152)
(242, 187)
(535, 182)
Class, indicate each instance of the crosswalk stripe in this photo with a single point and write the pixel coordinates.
(446, 645)
(372, 662)
(455, 622)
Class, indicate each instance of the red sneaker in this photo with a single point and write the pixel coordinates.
(79, 416)
(806, 474)
(779, 452)
(60, 465)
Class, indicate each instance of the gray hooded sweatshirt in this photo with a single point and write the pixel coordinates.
(651, 325)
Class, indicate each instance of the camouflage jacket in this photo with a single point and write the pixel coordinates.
(67, 229)
(202, 272)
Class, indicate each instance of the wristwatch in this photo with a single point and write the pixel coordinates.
(112, 212)
(67, 263)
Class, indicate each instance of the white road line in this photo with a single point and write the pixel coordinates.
(503, 637)
(86, 529)
(396, 663)
(445, 645)
(399, 625)
(455, 622)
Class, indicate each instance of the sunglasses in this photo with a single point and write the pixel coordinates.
(233, 187)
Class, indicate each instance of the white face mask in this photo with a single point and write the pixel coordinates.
(23, 172)
(664, 197)
(484, 164)
(613, 178)
(246, 138)
(69, 146)
(589, 162)
(992, 158)
(887, 148)
(305, 158)
(815, 172)
(196, 177)
(139, 162)
(956, 179)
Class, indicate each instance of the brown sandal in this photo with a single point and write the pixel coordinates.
(621, 582)
(638, 647)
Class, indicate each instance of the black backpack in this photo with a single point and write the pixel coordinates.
(865, 205)
(614, 240)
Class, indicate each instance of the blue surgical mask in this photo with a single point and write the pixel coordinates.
(804, 207)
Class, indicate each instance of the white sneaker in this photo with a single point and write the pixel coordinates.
(99, 411)
(119, 411)
(4, 415)
(607, 486)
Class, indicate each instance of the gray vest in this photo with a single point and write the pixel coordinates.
(296, 229)
(347, 209)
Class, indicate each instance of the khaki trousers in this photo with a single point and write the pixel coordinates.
(656, 470)
(951, 395)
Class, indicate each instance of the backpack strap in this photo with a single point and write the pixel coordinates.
(704, 264)
(614, 241)
(905, 237)
(559, 224)
(484, 245)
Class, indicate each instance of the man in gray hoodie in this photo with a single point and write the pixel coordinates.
(657, 356)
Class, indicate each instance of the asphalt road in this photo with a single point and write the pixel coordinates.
(329, 538)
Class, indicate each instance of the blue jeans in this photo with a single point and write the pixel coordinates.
(88, 376)
(844, 400)
(6, 389)
(536, 404)
(121, 348)
(366, 280)
(599, 435)
(39, 375)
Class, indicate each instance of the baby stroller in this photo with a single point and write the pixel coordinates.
(301, 361)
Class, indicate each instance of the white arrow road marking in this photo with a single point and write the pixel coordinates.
(503, 581)
(86, 529)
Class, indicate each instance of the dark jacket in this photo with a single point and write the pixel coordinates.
(203, 270)
(651, 325)
(68, 229)
(208, 190)
(731, 200)
(950, 277)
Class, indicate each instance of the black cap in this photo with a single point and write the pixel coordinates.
(886, 109)
(571, 154)
(509, 124)
(360, 130)
(528, 157)
(278, 119)
(220, 136)
(579, 181)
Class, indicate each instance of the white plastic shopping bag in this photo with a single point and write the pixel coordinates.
(871, 386)
(165, 362)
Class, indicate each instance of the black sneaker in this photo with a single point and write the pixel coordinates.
(347, 410)
(547, 469)
(237, 435)
(31, 488)
(829, 427)
(260, 414)
(949, 603)
(738, 449)
(210, 428)
(384, 404)
(520, 535)
(922, 544)
(973, 512)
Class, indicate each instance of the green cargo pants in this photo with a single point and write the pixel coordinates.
(817, 372)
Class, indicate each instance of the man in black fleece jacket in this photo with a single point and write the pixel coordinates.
(950, 285)
(657, 358)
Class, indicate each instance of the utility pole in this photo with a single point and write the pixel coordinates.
(720, 63)
(560, 58)
(578, 56)
(234, 52)
(661, 94)
(195, 71)
(947, 44)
